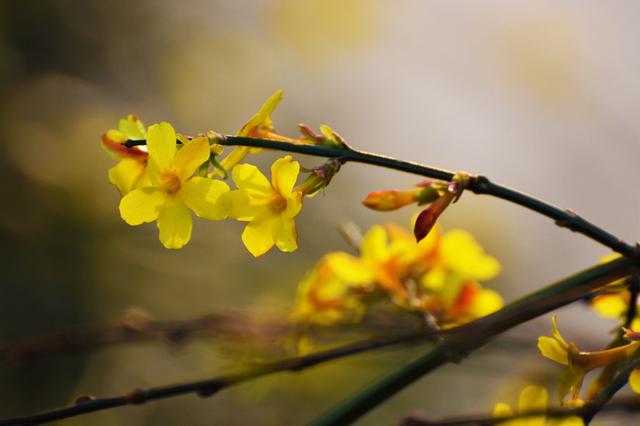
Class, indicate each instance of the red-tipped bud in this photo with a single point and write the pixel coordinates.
(391, 199)
(428, 217)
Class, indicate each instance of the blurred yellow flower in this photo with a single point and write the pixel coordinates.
(173, 190)
(390, 266)
(532, 399)
(614, 302)
(129, 173)
(269, 207)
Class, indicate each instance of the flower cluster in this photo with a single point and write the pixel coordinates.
(532, 399)
(579, 363)
(174, 176)
(439, 276)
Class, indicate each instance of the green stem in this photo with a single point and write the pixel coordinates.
(478, 184)
(475, 334)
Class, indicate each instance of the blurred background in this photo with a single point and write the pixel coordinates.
(541, 96)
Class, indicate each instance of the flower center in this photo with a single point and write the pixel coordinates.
(278, 203)
(170, 182)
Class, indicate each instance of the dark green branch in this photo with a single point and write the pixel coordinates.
(479, 184)
(475, 334)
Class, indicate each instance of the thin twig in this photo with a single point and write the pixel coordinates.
(627, 404)
(456, 344)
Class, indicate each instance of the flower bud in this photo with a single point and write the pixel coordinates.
(391, 199)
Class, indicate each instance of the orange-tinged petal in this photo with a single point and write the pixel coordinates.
(174, 223)
(126, 175)
(161, 143)
(142, 205)
(285, 234)
(258, 235)
(250, 179)
(284, 173)
(206, 197)
(191, 156)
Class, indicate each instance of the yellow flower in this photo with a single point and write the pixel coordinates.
(129, 173)
(269, 207)
(578, 363)
(532, 399)
(614, 303)
(258, 126)
(324, 298)
(173, 190)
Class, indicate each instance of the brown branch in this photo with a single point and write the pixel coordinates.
(627, 404)
(136, 326)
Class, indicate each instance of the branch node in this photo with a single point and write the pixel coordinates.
(136, 396)
(84, 398)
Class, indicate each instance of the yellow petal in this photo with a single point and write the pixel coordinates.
(555, 332)
(533, 398)
(566, 421)
(263, 116)
(294, 204)
(250, 179)
(552, 349)
(191, 156)
(116, 135)
(285, 234)
(284, 173)
(132, 127)
(233, 158)
(126, 175)
(241, 207)
(374, 244)
(206, 197)
(485, 302)
(434, 278)
(502, 410)
(609, 305)
(461, 253)
(349, 268)
(161, 143)
(142, 205)
(258, 235)
(634, 381)
(174, 223)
